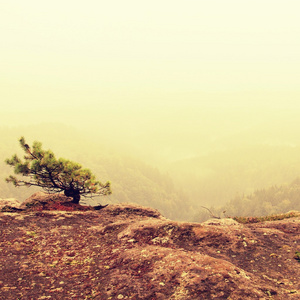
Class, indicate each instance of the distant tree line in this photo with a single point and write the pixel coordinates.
(262, 202)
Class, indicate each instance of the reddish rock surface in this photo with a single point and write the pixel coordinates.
(9, 202)
(131, 252)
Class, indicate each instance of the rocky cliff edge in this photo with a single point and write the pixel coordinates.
(126, 251)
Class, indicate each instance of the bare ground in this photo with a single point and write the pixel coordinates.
(132, 252)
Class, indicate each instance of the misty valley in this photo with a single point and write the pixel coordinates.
(150, 150)
(250, 180)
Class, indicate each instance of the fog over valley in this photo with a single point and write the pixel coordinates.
(179, 105)
(202, 170)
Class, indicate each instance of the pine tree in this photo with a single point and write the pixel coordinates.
(54, 175)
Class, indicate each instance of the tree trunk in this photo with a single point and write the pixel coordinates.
(74, 194)
(76, 198)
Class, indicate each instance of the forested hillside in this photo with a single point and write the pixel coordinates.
(262, 202)
(219, 176)
(178, 188)
(273, 200)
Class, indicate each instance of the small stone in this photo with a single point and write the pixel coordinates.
(120, 296)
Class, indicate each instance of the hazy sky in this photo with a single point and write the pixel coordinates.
(164, 80)
(142, 56)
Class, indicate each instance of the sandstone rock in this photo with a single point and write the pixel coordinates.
(45, 201)
(225, 221)
(130, 209)
(126, 251)
(41, 197)
(12, 202)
